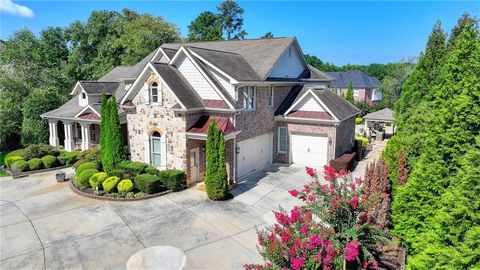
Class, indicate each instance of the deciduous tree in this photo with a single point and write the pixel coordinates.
(207, 26)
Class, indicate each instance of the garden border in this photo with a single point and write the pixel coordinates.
(27, 173)
(105, 198)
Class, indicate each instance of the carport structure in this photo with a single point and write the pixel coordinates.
(380, 117)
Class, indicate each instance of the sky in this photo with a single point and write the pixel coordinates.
(337, 32)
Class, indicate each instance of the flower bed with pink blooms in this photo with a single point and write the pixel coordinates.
(332, 230)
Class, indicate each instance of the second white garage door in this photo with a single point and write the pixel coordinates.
(254, 153)
(309, 150)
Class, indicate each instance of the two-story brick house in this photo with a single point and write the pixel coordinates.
(271, 106)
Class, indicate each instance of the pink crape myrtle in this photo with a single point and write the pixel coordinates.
(326, 232)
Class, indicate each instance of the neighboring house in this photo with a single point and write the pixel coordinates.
(271, 106)
(364, 86)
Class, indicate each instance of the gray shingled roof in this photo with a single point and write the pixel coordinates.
(68, 110)
(358, 78)
(260, 54)
(177, 83)
(127, 72)
(341, 108)
(231, 63)
(382, 115)
(96, 88)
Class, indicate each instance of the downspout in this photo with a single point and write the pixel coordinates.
(335, 141)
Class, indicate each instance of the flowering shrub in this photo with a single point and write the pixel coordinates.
(327, 232)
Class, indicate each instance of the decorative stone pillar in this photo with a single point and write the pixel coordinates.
(85, 136)
(69, 143)
(52, 125)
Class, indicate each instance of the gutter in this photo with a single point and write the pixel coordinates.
(305, 120)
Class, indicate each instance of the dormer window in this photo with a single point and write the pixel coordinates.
(154, 93)
(84, 96)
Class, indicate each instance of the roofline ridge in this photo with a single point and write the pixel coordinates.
(228, 40)
(213, 50)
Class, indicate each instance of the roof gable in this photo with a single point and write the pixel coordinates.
(290, 64)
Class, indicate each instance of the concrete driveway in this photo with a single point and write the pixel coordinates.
(44, 225)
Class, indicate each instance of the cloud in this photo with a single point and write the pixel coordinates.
(8, 6)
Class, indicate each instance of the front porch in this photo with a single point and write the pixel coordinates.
(78, 135)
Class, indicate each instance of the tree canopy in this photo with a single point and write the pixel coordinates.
(207, 26)
(232, 19)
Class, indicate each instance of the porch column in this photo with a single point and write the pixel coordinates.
(69, 144)
(85, 136)
(52, 125)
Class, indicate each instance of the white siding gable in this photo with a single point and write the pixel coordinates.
(309, 103)
(224, 81)
(196, 79)
(163, 59)
(290, 65)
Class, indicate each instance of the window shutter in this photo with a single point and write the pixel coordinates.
(147, 149)
(147, 93)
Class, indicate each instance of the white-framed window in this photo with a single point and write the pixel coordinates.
(270, 95)
(249, 93)
(282, 140)
(155, 96)
(156, 149)
(356, 93)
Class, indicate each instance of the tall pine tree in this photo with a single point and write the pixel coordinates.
(112, 147)
(349, 93)
(104, 132)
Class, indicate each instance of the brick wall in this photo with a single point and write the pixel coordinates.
(345, 134)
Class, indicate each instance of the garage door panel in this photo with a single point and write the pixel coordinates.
(309, 150)
(254, 153)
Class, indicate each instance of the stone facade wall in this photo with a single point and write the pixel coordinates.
(345, 135)
(161, 117)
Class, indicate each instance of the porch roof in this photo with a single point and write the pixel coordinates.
(223, 123)
(385, 115)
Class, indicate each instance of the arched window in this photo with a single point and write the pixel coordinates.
(154, 97)
(155, 149)
(84, 96)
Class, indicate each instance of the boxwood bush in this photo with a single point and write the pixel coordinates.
(148, 183)
(39, 150)
(151, 170)
(362, 139)
(85, 166)
(358, 120)
(82, 179)
(125, 186)
(35, 164)
(97, 179)
(49, 161)
(110, 184)
(9, 160)
(67, 158)
(133, 168)
(120, 173)
(20, 165)
(172, 179)
(91, 155)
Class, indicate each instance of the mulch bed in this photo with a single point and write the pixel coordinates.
(91, 195)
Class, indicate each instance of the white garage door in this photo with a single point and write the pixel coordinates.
(309, 150)
(254, 153)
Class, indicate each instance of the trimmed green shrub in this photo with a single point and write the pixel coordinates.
(110, 184)
(362, 139)
(151, 170)
(133, 168)
(21, 165)
(82, 180)
(39, 150)
(120, 173)
(85, 166)
(90, 155)
(67, 158)
(18, 152)
(148, 183)
(358, 120)
(97, 179)
(172, 179)
(125, 186)
(35, 164)
(49, 161)
(9, 160)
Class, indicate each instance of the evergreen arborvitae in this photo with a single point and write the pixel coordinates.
(349, 94)
(117, 149)
(107, 162)
(436, 212)
(216, 178)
